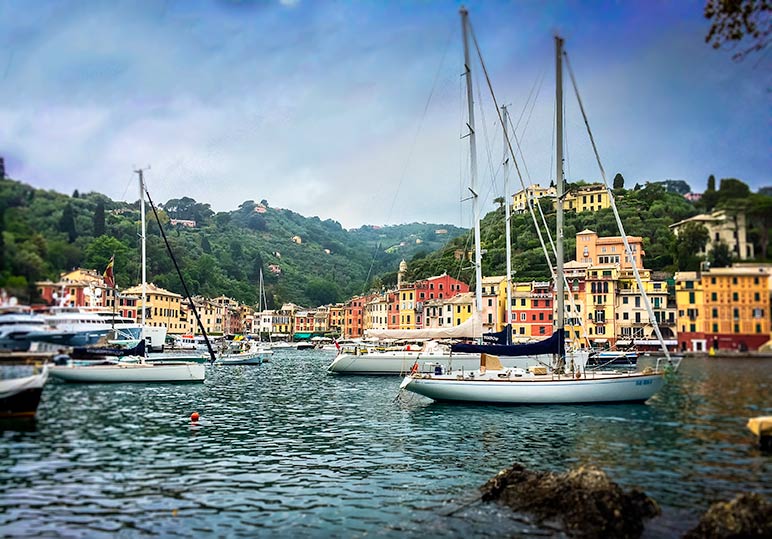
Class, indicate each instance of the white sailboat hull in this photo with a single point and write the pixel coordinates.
(635, 387)
(400, 362)
(127, 373)
(248, 358)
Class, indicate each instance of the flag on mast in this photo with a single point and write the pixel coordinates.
(108, 274)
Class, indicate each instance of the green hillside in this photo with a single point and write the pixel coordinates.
(45, 233)
(645, 211)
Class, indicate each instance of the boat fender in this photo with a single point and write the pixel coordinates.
(578, 375)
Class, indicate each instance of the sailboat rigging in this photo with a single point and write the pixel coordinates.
(492, 383)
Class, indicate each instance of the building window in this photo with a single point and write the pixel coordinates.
(735, 296)
(523, 317)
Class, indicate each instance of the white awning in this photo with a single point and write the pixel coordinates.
(600, 340)
(624, 342)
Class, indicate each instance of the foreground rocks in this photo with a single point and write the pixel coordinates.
(746, 516)
(584, 500)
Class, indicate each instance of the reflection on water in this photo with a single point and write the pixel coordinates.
(284, 449)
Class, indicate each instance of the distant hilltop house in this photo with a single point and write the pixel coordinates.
(731, 230)
(327, 251)
(589, 198)
(297, 239)
(259, 208)
(521, 198)
(418, 241)
(275, 269)
(441, 231)
(188, 223)
(693, 197)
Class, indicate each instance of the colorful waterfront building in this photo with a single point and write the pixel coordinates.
(353, 317)
(494, 298)
(633, 324)
(462, 306)
(392, 300)
(335, 319)
(723, 308)
(532, 310)
(162, 308)
(77, 288)
(211, 314)
(376, 313)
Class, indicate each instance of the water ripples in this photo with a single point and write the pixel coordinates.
(284, 449)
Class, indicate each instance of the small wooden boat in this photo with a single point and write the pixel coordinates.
(19, 397)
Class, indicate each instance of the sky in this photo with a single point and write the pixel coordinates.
(356, 111)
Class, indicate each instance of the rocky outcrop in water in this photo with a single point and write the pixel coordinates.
(585, 500)
(746, 516)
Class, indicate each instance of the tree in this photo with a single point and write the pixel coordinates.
(733, 188)
(99, 219)
(75, 194)
(500, 201)
(67, 223)
(619, 181)
(760, 217)
(734, 20)
(322, 292)
(710, 196)
(720, 255)
(692, 238)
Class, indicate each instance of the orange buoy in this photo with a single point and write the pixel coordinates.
(194, 416)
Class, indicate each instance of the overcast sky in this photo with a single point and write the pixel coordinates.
(354, 110)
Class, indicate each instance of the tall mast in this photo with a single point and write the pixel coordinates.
(472, 163)
(559, 288)
(508, 217)
(142, 241)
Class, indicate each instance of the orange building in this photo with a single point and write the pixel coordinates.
(590, 249)
(724, 308)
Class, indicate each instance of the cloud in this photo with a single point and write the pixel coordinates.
(323, 109)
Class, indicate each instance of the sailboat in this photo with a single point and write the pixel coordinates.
(492, 383)
(132, 369)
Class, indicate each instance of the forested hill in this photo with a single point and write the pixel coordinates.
(304, 259)
(645, 211)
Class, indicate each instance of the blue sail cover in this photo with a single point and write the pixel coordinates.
(500, 337)
(552, 345)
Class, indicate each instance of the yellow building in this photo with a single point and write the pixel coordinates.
(335, 315)
(600, 298)
(590, 198)
(494, 298)
(162, 308)
(690, 319)
(532, 192)
(461, 307)
(737, 307)
(407, 311)
(376, 313)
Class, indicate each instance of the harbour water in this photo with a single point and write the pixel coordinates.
(283, 449)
